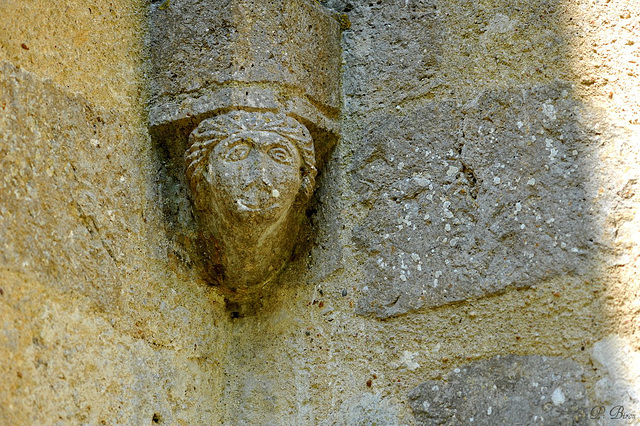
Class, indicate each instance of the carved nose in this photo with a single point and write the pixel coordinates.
(258, 173)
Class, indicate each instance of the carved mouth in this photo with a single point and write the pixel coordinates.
(259, 200)
(256, 206)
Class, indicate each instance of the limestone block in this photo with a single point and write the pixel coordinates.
(216, 55)
(63, 362)
(54, 218)
(505, 390)
(464, 201)
(399, 53)
(393, 53)
(92, 48)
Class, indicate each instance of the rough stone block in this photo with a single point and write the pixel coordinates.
(393, 53)
(216, 55)
(509, 390)
(467, 200)
(54, 219)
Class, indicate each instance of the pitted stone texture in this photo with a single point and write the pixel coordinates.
(65, 363)
(392, 51)
(401, 52)
(464, 201)
(94, 48)
(211, 55)
(505, 390)
(54, 219)
(364, 409)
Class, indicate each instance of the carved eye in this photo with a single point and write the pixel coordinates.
(280, 154)
(237, 152)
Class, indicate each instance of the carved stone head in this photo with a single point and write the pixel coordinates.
(248, 173)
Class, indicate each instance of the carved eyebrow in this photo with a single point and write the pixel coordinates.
(234, 140)
(281, 143)
(259, 143)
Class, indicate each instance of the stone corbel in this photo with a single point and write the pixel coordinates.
(246, 93)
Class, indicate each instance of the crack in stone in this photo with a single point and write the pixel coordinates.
(91, 226)
(90, 223)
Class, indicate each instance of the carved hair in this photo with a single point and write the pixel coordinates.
(214, 130)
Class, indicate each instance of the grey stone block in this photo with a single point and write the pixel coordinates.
(393, 53)
(465, 201)
(211, 56)
(509, 390)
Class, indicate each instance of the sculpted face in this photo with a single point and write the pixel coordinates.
(254, 175)
(248, 172)
(249, 166)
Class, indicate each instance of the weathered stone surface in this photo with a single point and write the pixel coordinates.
(468, 200)
(89, 48)
(505, 390)
(364, 410)
(85, 311)
(620, 384)
(66, 363)
(251, 175)
(392, 51)
(53, 218)
(165, 350)
(400, 53)
(433, 76)
(211, 56)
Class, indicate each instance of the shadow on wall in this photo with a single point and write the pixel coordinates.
(491, 186)
(482, 197)
(488, 155)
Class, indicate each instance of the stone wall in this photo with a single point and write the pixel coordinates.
(473, 244)
(94, 312)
